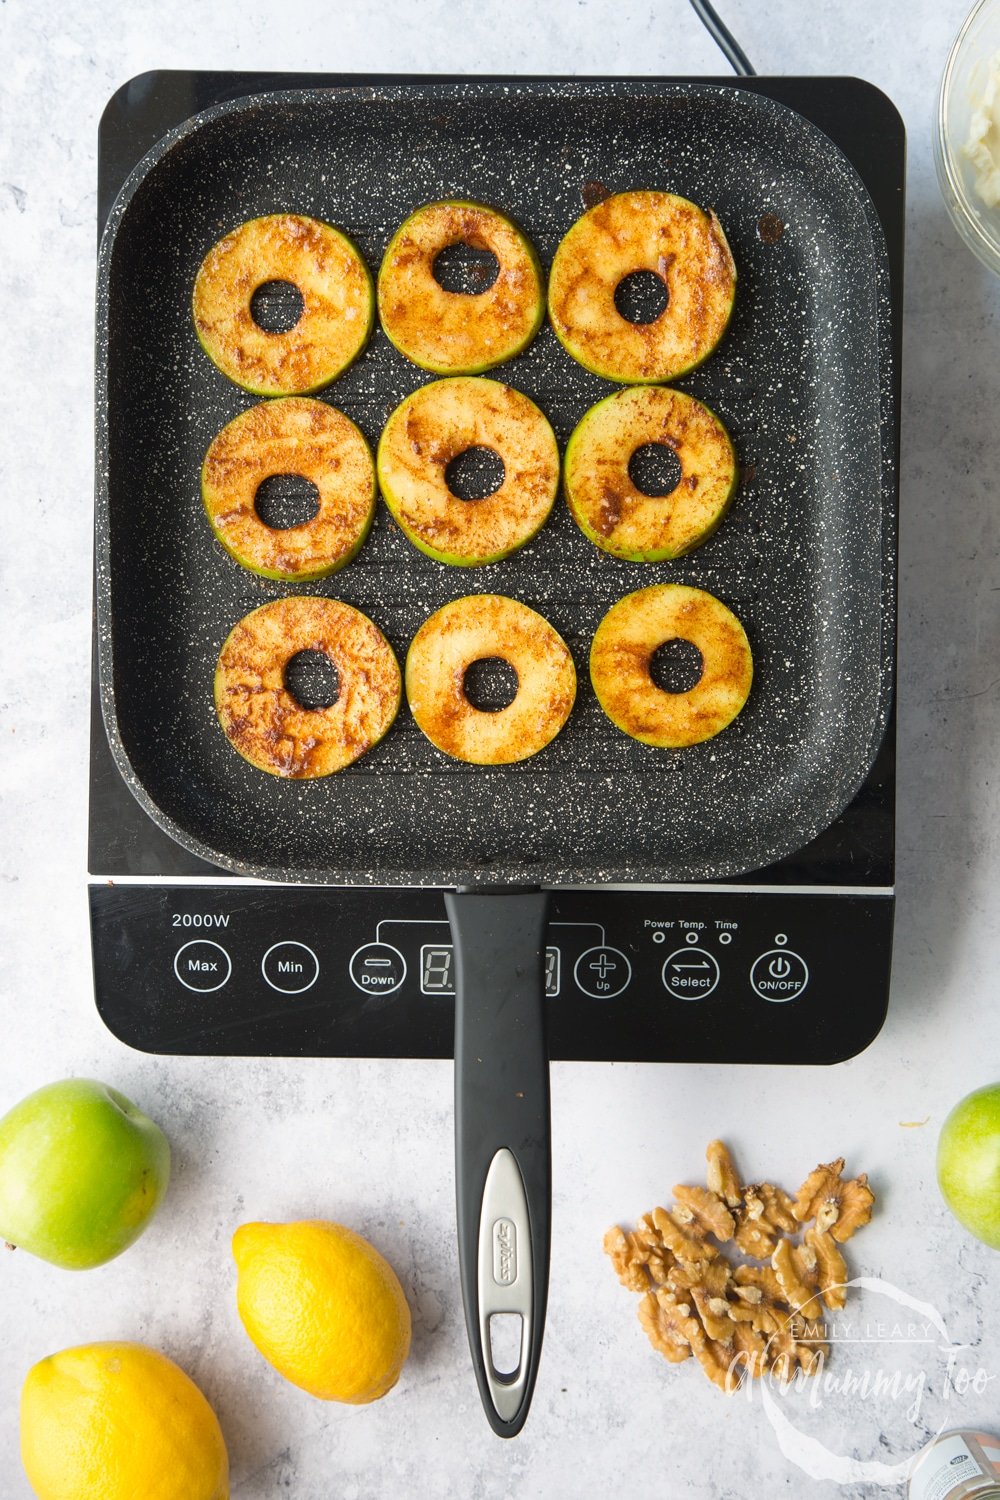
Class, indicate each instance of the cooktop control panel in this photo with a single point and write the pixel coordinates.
(711, 975)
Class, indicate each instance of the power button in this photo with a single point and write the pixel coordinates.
(779, 975)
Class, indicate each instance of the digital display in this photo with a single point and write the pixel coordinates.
(435, 970)
(551, 971)
(437, 973)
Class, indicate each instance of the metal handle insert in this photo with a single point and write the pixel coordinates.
(505, 1282)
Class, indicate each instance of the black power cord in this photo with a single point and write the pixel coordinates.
(724, 38)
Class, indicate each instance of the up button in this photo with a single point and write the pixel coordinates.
(779, 975)
(602, 972)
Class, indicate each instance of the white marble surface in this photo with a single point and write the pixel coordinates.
(370, 1143)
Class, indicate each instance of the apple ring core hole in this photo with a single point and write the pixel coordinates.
(490, 684)
(641, 297)
(655, 470)
(465, 269)
(475, 473)
(312, 679)
(286, 500)
(676, 666)
(277, 306)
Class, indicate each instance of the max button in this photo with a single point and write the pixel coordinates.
(202, 965)
(779, 975)
(290, 967)
(378, 968)
(602, 972)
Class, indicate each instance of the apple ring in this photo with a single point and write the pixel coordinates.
(622, 652)
(648, 231)
(269, 726)
(430, 429)
(483, 627)
(459, 333)
(612, 511)
(336, 290)
(295, 435)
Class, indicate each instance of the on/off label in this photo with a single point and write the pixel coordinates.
(779, 975)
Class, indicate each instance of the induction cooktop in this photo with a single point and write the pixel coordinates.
(786, 964)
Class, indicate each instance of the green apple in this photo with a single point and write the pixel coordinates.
(82, 1172)
(968, 1163)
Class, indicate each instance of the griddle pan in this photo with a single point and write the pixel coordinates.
(803, 381)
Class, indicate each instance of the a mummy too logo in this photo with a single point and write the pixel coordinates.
(888, 1368)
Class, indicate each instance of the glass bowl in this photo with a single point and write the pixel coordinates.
(962, 88)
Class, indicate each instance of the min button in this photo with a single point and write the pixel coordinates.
(290, 967)
(779, 975)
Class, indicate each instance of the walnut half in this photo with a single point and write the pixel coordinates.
(838, 1206)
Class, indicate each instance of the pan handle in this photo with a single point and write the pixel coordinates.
(502, 1157)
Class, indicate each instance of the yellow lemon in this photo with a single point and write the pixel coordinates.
(324, 1307)
(119, 1422)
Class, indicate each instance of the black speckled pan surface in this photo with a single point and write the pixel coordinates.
(806, 557)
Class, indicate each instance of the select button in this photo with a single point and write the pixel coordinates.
(290, 968)
(202, 965)
(779, 975)
(690, 973)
